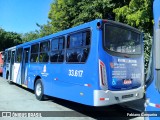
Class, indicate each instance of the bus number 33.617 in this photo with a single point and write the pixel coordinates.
(75, 73)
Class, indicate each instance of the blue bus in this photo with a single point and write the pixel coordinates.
(153, 79)
(98, 63)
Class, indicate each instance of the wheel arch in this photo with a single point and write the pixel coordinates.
(37, 78)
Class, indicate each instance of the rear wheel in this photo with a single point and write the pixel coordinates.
(39, 90)
(7, 77)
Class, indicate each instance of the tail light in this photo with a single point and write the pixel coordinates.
(102, 73)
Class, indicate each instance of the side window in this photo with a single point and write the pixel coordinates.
(57, 50)
(34, 53)
(5, 57)
(78, 46)
(44, 51)
(19, 55)
(9, 56)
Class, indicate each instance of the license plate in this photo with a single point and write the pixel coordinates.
(126, 82)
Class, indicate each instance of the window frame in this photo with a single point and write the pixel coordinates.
(8, 56)
(42, 52)
(58, 50)
(79, 47)
(126, 27)
(17, 55)
(33, 53)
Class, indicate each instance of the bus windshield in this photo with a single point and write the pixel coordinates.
(122, 40)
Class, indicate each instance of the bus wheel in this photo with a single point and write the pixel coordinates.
(7, 76)
(10, 82)
(38, 90)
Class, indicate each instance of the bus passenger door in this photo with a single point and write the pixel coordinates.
(24, 72)
(12, 65)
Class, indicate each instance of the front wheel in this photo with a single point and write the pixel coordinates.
(39, 90)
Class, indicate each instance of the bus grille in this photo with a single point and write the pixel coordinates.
(127, 96)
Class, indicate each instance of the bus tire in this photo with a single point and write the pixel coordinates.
(10, 82)
(39, 90)
(7, 75)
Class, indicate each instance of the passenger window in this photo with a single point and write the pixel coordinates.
(57, 50)
(5, 57)
(55, 44)
(34, 53)
(44, 51)
(19, 55)
(35, 48)
(44, 46)
(78, 46)
(61, 44)
(9, 56)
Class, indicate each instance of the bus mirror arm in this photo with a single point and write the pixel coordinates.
(157, 48)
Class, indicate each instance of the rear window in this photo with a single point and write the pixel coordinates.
(122, 40)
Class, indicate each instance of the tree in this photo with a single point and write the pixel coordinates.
(138, 13)
(62, 13)
(9, 39)
(30, 36)
(68, 13)
(45, 29)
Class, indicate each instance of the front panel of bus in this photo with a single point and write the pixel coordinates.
(152, 103)
(121, 62)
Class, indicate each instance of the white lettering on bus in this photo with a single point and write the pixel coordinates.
(136, 75)
(127, 61)
(75, 73)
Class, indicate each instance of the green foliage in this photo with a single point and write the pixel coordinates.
(9, 39)
(61, 13)
(30, 36)
(45, 29)
(138, 13)
(68, 13)
(93, 9)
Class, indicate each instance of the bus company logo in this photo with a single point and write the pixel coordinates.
(44, 68)
(6, 114)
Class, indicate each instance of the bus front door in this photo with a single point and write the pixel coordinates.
(24, 74)
(12, 65)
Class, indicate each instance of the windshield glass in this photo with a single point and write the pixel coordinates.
(120, 39)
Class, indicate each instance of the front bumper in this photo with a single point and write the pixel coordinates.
(105, 98)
